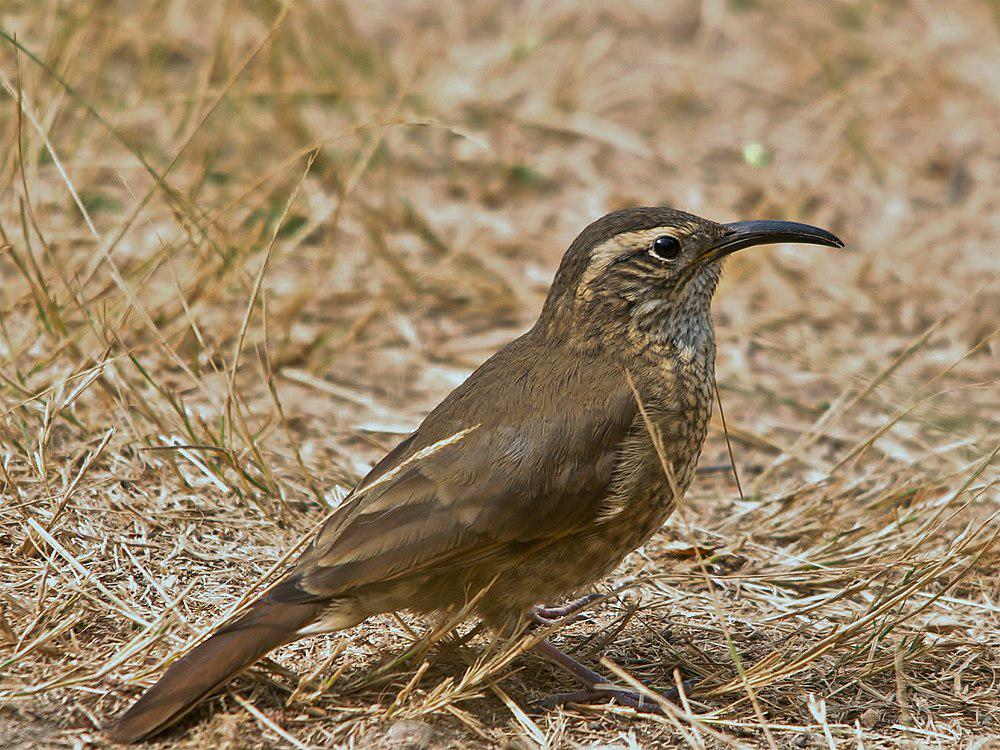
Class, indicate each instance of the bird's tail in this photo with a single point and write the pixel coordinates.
(213, 663)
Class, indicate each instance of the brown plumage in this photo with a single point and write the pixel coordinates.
(532, 479)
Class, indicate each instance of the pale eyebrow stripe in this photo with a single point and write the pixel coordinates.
(611, 249)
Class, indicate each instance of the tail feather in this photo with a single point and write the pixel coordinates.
(211, 664)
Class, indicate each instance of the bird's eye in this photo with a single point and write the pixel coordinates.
(665, 247)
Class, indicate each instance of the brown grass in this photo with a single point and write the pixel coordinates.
(244, 247)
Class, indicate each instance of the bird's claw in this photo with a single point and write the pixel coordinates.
(546, 616)
(605, 693)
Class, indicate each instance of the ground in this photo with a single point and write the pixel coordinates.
(244, 247)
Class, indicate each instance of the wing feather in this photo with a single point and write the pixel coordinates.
(473, 482)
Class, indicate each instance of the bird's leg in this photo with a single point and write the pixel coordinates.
(599, 687)
(551, 615)
(464, 639)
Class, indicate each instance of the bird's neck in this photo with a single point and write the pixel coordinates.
(680, 320)
(683, 320)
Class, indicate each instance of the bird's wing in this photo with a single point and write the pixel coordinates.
(465, 498)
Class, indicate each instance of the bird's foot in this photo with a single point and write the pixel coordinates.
(546, 616)
(605, 693)
(599, 689)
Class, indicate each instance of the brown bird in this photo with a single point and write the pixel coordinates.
(562, 453)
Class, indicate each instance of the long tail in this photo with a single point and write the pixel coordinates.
(224, 655)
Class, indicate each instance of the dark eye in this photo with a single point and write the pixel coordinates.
(665, 247)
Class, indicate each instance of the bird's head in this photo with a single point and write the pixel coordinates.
(654, 267)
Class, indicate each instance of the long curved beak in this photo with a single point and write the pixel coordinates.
(741, 234)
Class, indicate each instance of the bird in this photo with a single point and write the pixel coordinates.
(562, 453)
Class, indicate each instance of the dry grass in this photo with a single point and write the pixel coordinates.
(246, 246)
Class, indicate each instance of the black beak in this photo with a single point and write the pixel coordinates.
(741, 234)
